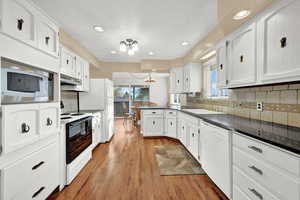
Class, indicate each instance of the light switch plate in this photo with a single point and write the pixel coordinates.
(259, 106)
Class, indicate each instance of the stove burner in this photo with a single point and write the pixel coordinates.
(65, 117)
(77, 114)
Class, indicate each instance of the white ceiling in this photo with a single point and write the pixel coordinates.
(159, 25)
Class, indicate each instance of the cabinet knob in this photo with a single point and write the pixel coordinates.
(49, 122)
(283, 42)
(153, 122)
(259, 171)
(38, 192)
(193, 134)
(254, 148)
(20, 24)
(221, 67)
(153, 112)
(241, 58)
(67, 62)
(47, 40)
(38, 165)
(256, 193)
(171, 123)
(25, 128)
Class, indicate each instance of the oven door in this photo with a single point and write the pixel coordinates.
(78, 137)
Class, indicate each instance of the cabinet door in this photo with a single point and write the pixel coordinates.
(179, 80)
(193, 141)
(279, 43)
(86, 76)
(48, 36)
(171, 127)
(153, 125)
(222, 65)
(172, 81)
(215, 156)
(67, 63)
(18, 20)
(186, 79)
(242, 58)
(19, 125)
(49, 119)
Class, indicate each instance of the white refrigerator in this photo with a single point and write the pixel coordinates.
(100, 97)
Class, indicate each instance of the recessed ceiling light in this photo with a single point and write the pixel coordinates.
(209, 54)
(184, 43)
(113, 52)
(98, 29)
(241, 14)
(151, 53)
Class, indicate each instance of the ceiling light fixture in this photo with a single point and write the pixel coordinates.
(209, 54)
(184, 43)
(151, 53)
(129, 45)
(113, 52)
(149, 79)
(241, 14)
(98, 29)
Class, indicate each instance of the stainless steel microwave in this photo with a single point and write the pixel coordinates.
(21, 83)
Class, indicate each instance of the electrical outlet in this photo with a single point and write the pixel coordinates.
(259, 106)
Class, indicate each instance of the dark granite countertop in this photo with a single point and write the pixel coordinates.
(91, 111)
(285, 137)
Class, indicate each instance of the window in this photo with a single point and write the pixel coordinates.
(210, 73)
(140, 93)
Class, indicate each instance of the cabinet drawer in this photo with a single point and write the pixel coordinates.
(19, 125)
(266, 153)
(170, 113)
(49, 119)
(153, 112)
(281, 185)
(39, 171)
(250, 187)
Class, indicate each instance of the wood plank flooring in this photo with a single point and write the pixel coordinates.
(126, 169)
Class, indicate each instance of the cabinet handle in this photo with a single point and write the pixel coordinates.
(38, 192)
(259, 171)
(221, 67)
(183, 128)
(153, 112)
(283, 42)
(25, 128)
(178, 81)
(255, 149)
(38, 165)
(153, 122)
(170, 112)
(241, 58)
(199, 131)
(193, 134)
(67, 62)
(47, 40)
(49, 122)
(171, 123)
(256, 193)
(20, 24)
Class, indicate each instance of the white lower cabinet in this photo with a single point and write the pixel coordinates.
(182, 131)
(270, 173)
(215, 156)
(153, 122)
(171, 127)
(22, 125)
(33, 177)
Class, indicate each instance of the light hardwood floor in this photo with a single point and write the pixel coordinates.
(126, 169)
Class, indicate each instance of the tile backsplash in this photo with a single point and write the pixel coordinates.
(70, 101)
(281, 103)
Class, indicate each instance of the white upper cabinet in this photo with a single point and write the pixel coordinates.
(86, 76)
(222, 64)
(18, 20)
(48, 39)
(67, 62)
(279, 42)
(192, 78)
(172, 80)
(176, 80)
(23, 21)
(242, 57)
